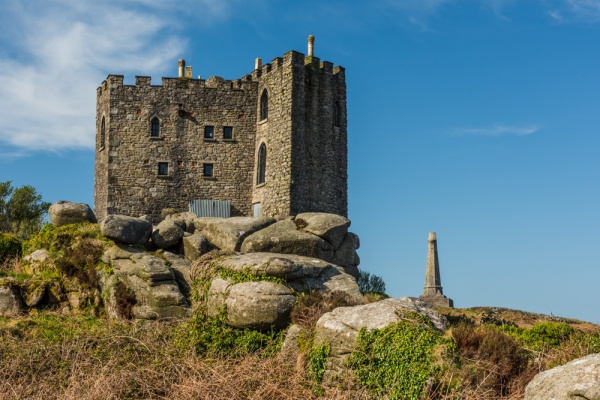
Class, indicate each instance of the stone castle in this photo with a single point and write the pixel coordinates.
(272, 143)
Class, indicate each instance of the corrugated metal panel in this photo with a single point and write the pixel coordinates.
(211, 208)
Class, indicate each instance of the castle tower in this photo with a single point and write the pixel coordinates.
(433, 293)
(301, 127)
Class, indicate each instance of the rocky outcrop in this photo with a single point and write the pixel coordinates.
(579, 379)
(128, 230)
(229, 233)
(10, 303)
(64, 213)
(330, 227)
(168, 233)
(152, 282)
(266, 300)
(346, 256)
(37, 261)
(339, 328)
(255, 305)
(283, 237)
(300, 273)
(185, 220)
(194, 246)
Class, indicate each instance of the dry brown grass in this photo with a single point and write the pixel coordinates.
(56, 357)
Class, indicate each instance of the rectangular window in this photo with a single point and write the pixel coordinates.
(227, 132)
(207, 170)
(209, 132)
(163, 168)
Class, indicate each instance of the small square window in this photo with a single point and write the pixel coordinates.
(209, 132)
(207, 170)
(227, 132)
(163, 168)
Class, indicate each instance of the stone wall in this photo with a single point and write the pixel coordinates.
(184, 107)
(306, 168)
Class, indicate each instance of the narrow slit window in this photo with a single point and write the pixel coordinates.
(155, 127)
(209, 132)
(337, 115)
(264, 105)
(262, 164)
(102, 134)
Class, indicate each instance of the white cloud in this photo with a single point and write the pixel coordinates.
(573, 10)
(54, 54)
(585, 8)
(498, 130)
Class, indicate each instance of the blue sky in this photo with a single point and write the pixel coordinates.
(476, 119)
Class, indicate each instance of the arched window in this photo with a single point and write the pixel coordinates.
(337, 115)
(262, 164)
(102, 134)
(264, 105)
(155, 127)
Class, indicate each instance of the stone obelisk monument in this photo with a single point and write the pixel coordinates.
(433, 293)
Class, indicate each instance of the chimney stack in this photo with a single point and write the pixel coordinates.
(181, 64)
(311, 45)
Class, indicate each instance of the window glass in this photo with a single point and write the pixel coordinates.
(207, 170)
(102, 133)
(227, 132)
(209, 132)
(163, 168)
(264, 105)
(155, 130)
(262, 164)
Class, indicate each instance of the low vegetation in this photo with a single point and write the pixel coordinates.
(487, 353)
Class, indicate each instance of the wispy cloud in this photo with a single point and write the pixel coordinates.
(574, 11)
(54, 54)
(416, 11)
(497, 130)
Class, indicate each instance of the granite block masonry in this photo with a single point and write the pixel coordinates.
(273, 143)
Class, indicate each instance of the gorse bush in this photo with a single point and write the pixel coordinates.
(546, 334)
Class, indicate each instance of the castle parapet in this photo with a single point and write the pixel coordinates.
(327, 67)
(115, 81)
(142, 80)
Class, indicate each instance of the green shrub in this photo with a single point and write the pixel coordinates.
(546, 334)
(213, 337)
(370, 283)
(75, 249)
(317, 362)
(396, 362)
(10, 247)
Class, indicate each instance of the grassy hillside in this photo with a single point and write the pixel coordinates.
(53, 351)
(49, 355)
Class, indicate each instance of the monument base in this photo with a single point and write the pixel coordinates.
(437, 301)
